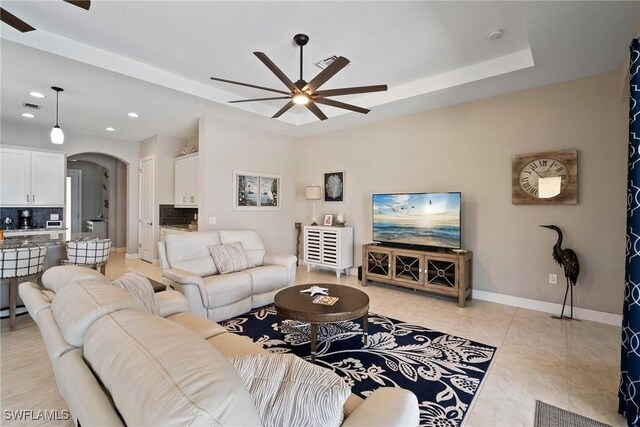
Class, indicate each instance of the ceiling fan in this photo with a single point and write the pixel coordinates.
(306, 93)
(17, 23)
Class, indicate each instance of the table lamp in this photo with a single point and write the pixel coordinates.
(313, 192)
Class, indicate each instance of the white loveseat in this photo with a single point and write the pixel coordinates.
(187, 266)
(117, 364)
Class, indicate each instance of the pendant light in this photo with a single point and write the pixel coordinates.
(57, 136)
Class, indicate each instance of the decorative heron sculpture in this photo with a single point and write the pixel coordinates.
(568, 259)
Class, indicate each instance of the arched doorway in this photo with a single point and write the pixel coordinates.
(97, 196)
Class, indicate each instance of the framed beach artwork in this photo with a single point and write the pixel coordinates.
(334, 187)
(255, 191)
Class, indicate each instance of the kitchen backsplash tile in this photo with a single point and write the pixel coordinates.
(172, 216)
(40, 215)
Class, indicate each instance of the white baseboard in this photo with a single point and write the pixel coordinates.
(119, 250)
(132, 256)
(549, 307)
(546, 307)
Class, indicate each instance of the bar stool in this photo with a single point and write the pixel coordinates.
(90, 253)
(19, 263)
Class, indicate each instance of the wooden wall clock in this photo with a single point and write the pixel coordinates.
(546, 178)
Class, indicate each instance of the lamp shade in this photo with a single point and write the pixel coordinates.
(313, 192)
(57, 136)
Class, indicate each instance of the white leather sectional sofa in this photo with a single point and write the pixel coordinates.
(187, 266)
(117, 364)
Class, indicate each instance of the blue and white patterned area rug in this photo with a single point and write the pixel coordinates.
(443, 371)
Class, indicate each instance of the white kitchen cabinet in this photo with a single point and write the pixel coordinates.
(186, 181)
(31, 177)
(328, 247)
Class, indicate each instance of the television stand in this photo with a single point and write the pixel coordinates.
(441, 271)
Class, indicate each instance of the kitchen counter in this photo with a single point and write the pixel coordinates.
(56, 244)
(52, 238)
(31, 231)
(180, 227)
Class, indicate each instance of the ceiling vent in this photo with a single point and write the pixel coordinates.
(326, 62)
(30, 105)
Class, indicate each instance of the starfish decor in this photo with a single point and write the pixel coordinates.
(316, 290)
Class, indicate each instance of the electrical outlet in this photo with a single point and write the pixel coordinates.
(212, 220)
(553, 279)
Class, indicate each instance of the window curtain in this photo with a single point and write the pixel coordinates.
(629, 392)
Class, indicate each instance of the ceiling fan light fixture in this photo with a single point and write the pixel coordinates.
(301, 99)
(57, 136)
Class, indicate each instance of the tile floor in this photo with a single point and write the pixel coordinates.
(573, 365)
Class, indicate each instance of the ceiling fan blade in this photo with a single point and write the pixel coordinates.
(339, 104)
(283, 110)
(275, 70)
(260, 99)
(14, 21)
(250, 85)
(350, 90)
(84, 4)
(315, 110)
(327, 73)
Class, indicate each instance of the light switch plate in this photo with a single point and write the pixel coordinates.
(212, 220)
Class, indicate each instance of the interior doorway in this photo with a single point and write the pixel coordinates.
(74, 202)
(103, 196)
(147, 196)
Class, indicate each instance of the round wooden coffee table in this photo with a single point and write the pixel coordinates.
(292, 304)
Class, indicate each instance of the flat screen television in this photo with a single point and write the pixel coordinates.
(430, 220)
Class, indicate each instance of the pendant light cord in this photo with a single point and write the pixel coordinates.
(57, 95)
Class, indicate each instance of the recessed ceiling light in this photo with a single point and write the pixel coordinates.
(495, 34)
(36, 94)
(110, 129)
(27, 115)
(134, 115)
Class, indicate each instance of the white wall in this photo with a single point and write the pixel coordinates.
(21, 134)
(226, 146)
(468, 148)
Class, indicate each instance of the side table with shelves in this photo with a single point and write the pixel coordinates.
(445, 272)
(328, 247)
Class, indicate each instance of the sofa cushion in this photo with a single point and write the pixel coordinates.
(267, 278)
(250, 241)
(145, 361)
(288, 391)
(77, 306)
(229, 257)
(231, 344)
(57, 277)
(188, 251)
(205, 328)
(227, 289)
(139, 286)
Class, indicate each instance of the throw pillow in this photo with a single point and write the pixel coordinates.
(288, 391)
(137, 284)
(229, 257)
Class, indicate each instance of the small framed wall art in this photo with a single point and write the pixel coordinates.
(334, 187)
(328, 220)
(255, 191)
